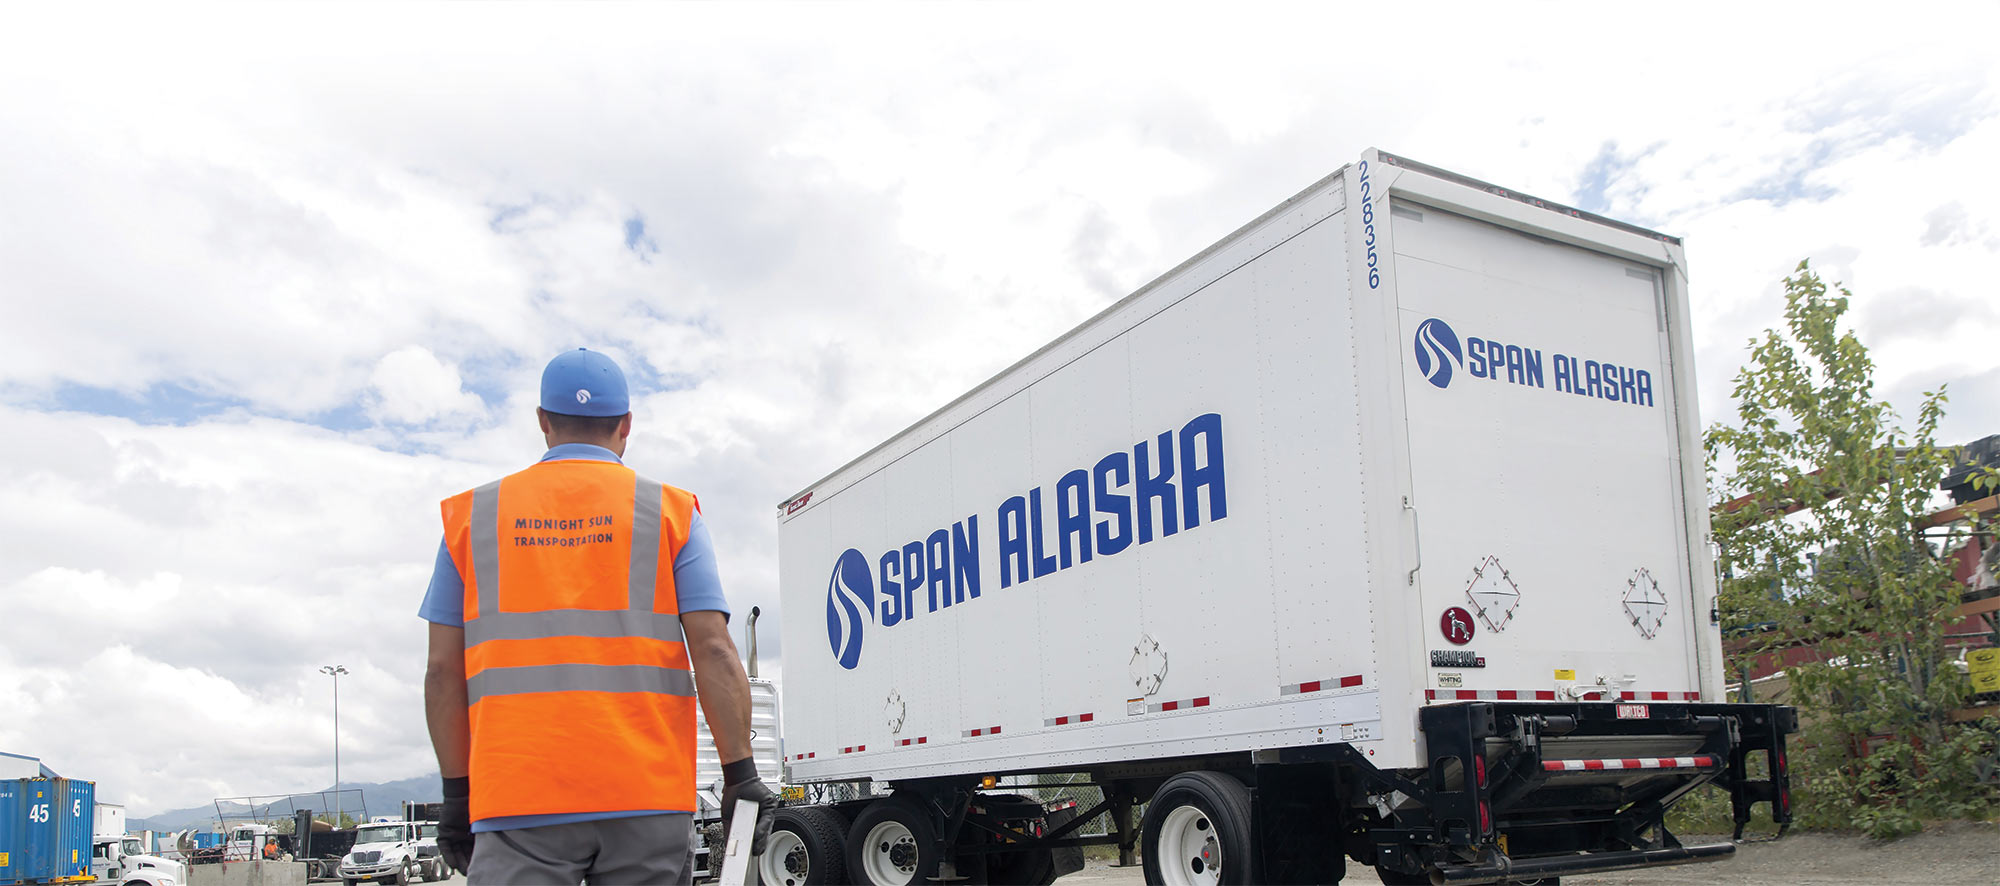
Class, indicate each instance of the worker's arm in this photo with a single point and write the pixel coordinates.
(444, 700)
(724, 690)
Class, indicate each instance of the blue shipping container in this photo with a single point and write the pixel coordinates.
(207, 841)
(45, 830)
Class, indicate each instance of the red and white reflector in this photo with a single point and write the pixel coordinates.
(1347, 682)
(1490, 694)
(904, 743)
(1068, 719)
(975, 733)
(1615, 765)
(805, 756)
(1550, 695)
(855, 749)
(1659, 696)
(1182, 705)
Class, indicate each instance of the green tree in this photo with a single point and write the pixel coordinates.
(1830, 556)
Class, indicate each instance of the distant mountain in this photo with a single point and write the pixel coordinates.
(385, 798)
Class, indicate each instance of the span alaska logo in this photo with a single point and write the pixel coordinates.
(1437, 352)
(850, 592)
(1441, 354)
(1170, 483)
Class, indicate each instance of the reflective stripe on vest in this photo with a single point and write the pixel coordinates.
(637, 620)
(577, 678)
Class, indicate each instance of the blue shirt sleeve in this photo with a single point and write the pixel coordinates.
(444, 603)
(696, 581)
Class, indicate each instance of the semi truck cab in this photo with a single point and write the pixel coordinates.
(119, 859)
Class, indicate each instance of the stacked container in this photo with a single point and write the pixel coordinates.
(45, 830)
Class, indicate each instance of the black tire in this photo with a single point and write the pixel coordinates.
(821, 854)
(917, 859)
(403, 875)
(1223, 806)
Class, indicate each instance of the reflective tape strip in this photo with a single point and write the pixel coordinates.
(975, 733)
(1490, 694)
(572, 623)
(1659, 696)
(1615, 765)
(904, 743)
(1181, 705)
(1347, 682)
(578, 678)
(486, 545)
(855, 749)
(1550, 695)
(646, 496)
(1072, 718)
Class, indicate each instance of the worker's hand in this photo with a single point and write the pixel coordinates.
(455, 828)
(740, 782)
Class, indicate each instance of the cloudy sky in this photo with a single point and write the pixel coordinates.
(274, 281)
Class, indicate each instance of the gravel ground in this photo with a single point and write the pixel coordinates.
(1950, 855)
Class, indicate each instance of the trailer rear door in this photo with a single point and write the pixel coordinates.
(1544, 465)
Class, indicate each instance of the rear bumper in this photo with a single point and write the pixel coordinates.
(1520, 790)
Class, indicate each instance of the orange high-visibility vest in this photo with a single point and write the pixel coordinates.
(576, 671)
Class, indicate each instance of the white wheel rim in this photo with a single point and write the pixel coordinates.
(889, 856)
(1190, 855)
(785, 861)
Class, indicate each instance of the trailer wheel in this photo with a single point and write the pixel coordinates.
(1197, 832)
(892, 843)
(804, 849)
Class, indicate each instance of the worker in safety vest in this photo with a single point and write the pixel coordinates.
(574, 606)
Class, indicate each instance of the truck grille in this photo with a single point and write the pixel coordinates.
(368, 857)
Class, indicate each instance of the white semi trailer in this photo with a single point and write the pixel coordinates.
(1374, 531)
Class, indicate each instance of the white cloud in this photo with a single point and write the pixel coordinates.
(351, 247)
(413, 387)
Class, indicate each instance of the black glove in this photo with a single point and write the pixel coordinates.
(740, 782)
(455, 828)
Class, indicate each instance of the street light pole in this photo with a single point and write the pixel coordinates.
(335, 671)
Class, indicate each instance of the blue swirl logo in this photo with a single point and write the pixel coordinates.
(1437, 351)
(850, 592)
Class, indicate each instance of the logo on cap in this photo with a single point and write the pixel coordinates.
(582, 396)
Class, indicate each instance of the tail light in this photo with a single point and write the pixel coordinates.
(1479, 770)
(1485, 817)
(1782, 768)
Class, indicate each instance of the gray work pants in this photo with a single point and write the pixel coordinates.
(650, 849)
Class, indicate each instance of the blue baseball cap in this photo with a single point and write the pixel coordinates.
(584, 382)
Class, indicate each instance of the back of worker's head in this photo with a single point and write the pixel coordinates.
(584, 400)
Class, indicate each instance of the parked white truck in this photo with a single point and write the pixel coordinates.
(390, 851)
(1376, 530)
(123, 860)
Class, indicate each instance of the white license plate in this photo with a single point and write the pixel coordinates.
(1632, 712)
